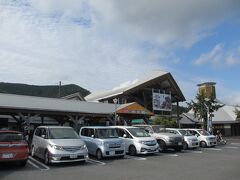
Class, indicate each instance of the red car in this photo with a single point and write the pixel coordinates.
(13, 147)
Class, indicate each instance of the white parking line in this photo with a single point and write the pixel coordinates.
(212, 149)
(230, 147)
(197, 152)
(135, 158)
(34, 165)
(92, 161)
(37, 164)
(172, 155)
(235, 143)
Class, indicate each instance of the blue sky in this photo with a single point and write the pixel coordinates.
(101, 45)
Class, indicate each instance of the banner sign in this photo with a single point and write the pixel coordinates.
(161, 102)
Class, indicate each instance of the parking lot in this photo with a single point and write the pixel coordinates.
(221, 162)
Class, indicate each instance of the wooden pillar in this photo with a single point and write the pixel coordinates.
(145, 100)
(42, 120)
(178, 116)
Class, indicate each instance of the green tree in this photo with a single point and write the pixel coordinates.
(202, 106)
(167, 122)
(237, 112)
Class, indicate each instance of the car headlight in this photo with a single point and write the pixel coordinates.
(83, 147)
(142, 142)
(56, 147)
(106, 144)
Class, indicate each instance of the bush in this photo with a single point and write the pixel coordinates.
(167, 122)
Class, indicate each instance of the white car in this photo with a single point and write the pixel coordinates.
(205, 139)
(136, 140)
(190, 141)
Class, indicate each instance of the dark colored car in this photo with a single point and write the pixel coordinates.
(13, 147)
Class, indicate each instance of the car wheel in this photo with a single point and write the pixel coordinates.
(185, 145)
(132, 150)
(99, 154)
(46, 158)
(23, 163)
(162, 145)
(203, 144)
(32, 151)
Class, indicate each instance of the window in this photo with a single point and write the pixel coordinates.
(106, 133)
(10, 137)
(90, 132)
(84, 132)
(138, 132)
(44, 132)
(38, 132)
(62, 133)
(121, 132)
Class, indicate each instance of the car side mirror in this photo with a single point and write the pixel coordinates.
(196, 135)
(125, 136)
(43, 136)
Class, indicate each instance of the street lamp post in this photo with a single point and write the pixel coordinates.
(115, 112)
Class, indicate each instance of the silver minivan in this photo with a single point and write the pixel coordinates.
(57, 144)
(102, 141)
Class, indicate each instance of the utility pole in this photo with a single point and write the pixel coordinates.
(59, 89)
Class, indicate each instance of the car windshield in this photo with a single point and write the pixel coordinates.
(158, 129)
(10, 137)
(62, 133)
(184, 132)
(138, 132)
(106, 133)
(203, 132)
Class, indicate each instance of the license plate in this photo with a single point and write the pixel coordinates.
(73, 156)
(179, 143)
(111, 153)
(7, 156)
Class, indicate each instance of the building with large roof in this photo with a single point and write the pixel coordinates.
(141, 92)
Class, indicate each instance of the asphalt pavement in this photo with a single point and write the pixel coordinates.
(220, 163)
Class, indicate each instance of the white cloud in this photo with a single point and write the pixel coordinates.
(99, 44)
(219, 57)
(182, 23)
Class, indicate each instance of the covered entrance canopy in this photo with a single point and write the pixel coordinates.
(24, 109)
(133, 112)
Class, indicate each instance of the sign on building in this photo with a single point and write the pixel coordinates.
(161, 101)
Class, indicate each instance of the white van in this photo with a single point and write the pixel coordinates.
(190, 141)
(137, 140)
(205, 139)
(55, 144)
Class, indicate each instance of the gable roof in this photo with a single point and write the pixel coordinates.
(164, 79)
(74, 96)
(225, 114)
(133, 108)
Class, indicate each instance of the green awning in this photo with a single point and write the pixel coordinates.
(138, 121)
